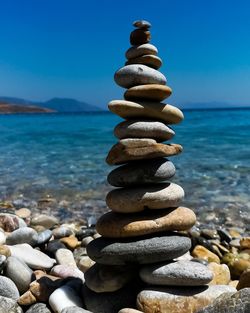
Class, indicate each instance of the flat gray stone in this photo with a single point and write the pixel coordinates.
(8, 289)
(179, 300)
(44, 237)
(181, 273)
(142, 250)
(22, 235)
(137, 51)
(138, 74)
(142, 172)
(61, 232)
(144, 129)
(139, 198)
(19, 273)
(238, 302)
(106, 278)
(8, 305)
(38, 308)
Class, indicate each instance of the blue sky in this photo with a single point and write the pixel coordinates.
(71, 48)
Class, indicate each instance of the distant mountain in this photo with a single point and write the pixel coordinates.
(9, 108)
(61, 105)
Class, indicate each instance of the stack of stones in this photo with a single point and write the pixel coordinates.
(142, 235)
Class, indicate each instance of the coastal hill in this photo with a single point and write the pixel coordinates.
(60, 105)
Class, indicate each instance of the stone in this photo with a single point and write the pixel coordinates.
(8, 305)
(137, 51)
(152, 110)
(2, 238)
(44, 237)
(180, 273)
(238, 302)
(142, 250)
(148, 59)
(27, 298)
(4, 250)
(23, 213)
(32, 257)
(144, 129)
(148, 92)
(142, 173)
(47, 221)
(201, 252)
(139, 37)
(132, 149)
(244, 281)
(11, 222)
(245, 243)
(74, 309)
(22, 235)
(65, 257)
(54, 245)
(61, 232)
(64, 297)
(44, 287)
(64, 271)
(110, 302)
(19, 273)
(236, 264)
(108, 278)
(85, 263)
(70, 242)
(136, 199)
(116, 225)
(176, 299)
(8, 289)
(2, 261)
(138, 74)
(38, 308)
(142, 24)
(224, 235)
(128, 310)
(221, 274)
(85, 241)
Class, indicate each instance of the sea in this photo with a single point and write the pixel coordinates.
(62, 157)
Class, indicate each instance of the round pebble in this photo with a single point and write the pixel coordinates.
(149, 60)
(150, 92)
(23, 235)
(137, 51)
(8, 289)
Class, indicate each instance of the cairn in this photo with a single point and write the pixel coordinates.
(142, 235)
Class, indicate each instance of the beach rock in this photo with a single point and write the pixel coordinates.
(19, 273)
(245, 243)
(4, 250)
(142, 24)
(201, 252)
(23, 213)
(143, 250)
(152, 110)
(221, 274)
(11, 222)
(176, 300)
(85, 263)
(2, 261)
(61, 232)
(65, 257)
(136, 199)
(85, 241)
(148, 92)
(22, 235)
(238, 302)
(244, 281)
(70, 242)
(110, 302)
(32, 257)
(138, 74)
(180, 273)
(128, 310)
(108, 278)
(44, 287)
(144, 129)
(8, 305)
(2, 237)
(149, 60)
(38, 308)
(139, 36)
(137, 51)
(236, 264)
(54, 245)
(64, 271)
(116, 225)
(44, 237)
(47, 221)
(141, 173)
(8, 289)
(27, 298)
(64, 297)
(74, 309)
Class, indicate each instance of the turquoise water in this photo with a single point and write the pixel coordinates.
(64, 156)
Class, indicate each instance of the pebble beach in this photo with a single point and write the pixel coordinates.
(173, 237)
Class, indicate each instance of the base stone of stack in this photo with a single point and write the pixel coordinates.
(179, 300)
(142, 250)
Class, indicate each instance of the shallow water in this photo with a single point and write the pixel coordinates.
(64, 156)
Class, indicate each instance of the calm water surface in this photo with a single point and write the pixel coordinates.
(64, 156)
